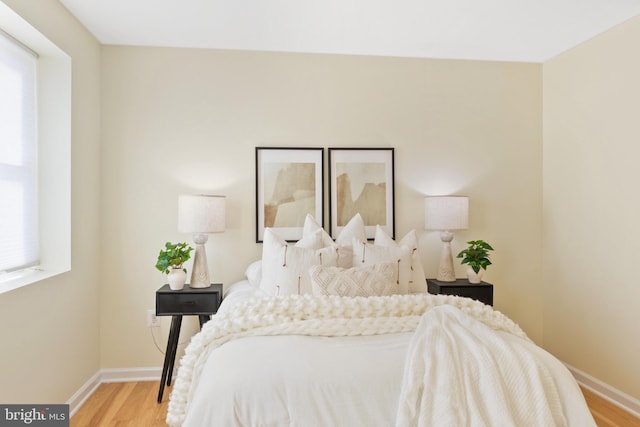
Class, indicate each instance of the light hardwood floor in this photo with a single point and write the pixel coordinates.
(607, 414)
(134, 405)
(123, 404)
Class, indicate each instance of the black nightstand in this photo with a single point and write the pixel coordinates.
(482, 291)
(201, 302)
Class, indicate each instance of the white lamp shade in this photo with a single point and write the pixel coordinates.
(446, 213)
(201, 214)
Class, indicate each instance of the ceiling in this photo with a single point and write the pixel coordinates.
(502, 30)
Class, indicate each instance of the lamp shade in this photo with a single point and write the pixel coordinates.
(201, 214)
(446, 213)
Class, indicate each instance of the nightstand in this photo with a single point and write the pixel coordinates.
(482, 291)
(201, 302)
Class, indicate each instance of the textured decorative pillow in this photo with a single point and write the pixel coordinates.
(344, 251)
(366, 254)
(285, 267)
(373, 280)
(417, 282)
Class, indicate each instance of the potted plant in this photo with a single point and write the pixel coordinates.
(170, 261)
(476, 256)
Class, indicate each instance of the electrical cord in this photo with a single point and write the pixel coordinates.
(155, 340)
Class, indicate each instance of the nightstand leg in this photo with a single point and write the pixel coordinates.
(204, 318)
(170, 354)
(174, 350)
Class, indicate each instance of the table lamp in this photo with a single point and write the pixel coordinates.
(446, 213)
(201, 215)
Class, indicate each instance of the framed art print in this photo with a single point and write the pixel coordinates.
(361, 181)
(289, 185)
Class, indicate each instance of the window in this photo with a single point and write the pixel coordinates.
(18, 157)
(35, 155)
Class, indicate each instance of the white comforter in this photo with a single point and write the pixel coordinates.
(311, 361)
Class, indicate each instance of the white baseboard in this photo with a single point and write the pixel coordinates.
(615, 396)
(130, 374)
(81, 396)
(111, 376)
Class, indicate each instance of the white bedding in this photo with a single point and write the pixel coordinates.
(459, 372)
(282, 362)
(301, 381)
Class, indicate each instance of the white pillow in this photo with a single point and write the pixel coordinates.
(377, 279)
(253, 273)
(344, 240)
(285, 267)
(417, 282)
(311, 226)
(342, 245)
(353, 229)
(369, 254)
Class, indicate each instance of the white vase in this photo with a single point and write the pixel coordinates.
(177, 278)
(474, 277)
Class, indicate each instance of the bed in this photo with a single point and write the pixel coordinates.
(363, 345)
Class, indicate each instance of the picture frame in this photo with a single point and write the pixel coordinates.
(289, 185)
(361, 180)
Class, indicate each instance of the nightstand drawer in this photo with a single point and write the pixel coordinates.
(187, 302)
(482, 292)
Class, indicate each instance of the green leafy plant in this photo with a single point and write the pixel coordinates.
(476, 255)
(173, 256)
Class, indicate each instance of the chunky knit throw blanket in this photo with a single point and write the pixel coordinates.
(328, 316)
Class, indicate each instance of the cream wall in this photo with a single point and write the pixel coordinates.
(186, 121)
(591, 207)
(49, 330)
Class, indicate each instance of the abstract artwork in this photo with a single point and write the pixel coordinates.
(361, 181)
(289, 185)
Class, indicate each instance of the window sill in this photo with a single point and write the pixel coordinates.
(11, 281)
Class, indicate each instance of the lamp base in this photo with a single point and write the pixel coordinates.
(446, 272)
(200, 269)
